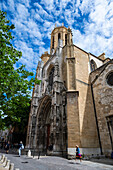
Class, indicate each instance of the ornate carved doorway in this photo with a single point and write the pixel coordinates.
(44, 125)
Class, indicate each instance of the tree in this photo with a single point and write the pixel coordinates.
(19, 108)
(14, 83)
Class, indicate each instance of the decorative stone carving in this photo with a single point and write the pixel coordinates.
(56, 72)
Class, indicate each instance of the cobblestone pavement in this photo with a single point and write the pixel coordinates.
(54, 163)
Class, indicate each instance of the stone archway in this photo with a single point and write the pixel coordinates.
(51, 127)
(44, 124)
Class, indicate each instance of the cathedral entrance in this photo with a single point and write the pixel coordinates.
(44, 130)
(51, 132)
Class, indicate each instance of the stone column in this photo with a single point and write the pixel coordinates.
(73, 124)
(71, 74)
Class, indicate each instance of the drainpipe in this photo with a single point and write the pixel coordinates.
(96, 119)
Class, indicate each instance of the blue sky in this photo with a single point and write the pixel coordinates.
(91, 22)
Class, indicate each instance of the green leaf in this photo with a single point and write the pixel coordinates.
(15, 84)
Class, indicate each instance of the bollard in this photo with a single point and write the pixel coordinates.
(33, 152)
(2, 160)
(7, 164)
(5, 160)
(1, 157)
(29, 153)
(39, 155)
(11, 166)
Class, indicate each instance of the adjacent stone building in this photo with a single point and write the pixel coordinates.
(74, 102)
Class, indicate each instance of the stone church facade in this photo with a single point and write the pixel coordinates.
(74, 102)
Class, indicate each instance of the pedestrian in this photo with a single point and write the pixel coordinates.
(21, 146)
(78, 155)
(50, 147)
(7, 147)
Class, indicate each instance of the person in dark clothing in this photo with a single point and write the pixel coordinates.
(51, 147)
(7, 147)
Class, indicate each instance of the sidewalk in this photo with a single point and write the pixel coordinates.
(57, 163)
(106, 161)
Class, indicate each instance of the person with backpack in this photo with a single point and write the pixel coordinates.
(21, 146)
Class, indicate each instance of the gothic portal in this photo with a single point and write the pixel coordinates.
(74, 102)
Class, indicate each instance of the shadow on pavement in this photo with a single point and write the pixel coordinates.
(71, 162)
(106, 161)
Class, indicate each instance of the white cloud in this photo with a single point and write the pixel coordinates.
(42, 50)
(92, 31)
(78, 3)
(97, 36)
(25, 2)
(49, 4)
(64, 3)
(29, 58)
(22, 12)
(38, 42)
(11, 5)
(37, 17)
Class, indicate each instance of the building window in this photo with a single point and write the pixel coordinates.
(53, 43)
(50, 82)
(59, 36)
(110, 79)
(93, 65)
(65, 39)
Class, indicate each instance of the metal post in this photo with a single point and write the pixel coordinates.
(33, 152)
(38, 154)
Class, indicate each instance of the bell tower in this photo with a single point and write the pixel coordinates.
(60, 36)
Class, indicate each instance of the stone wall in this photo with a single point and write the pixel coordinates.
(88, 130)
(103, 95)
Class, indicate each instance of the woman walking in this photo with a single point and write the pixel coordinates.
(78, 155)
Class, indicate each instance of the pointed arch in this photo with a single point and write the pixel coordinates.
(44, 128)
(93, 65)
(50, 75)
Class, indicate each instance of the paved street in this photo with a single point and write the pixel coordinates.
(54, 163)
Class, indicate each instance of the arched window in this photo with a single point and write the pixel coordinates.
(53, 42)
(93, 65)
(50, 79)
(59, 37)
(110, 79)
